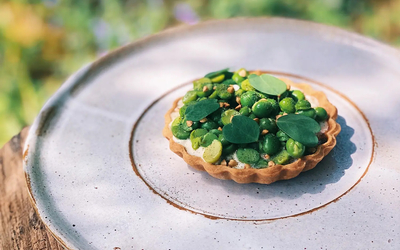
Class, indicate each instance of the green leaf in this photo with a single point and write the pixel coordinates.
(201, 109)
(242, 129)
(216, 73)
(268, 84)
(300, 128)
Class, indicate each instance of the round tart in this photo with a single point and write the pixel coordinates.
(251, 127)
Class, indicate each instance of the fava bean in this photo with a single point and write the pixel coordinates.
(247, 155)
(295, 148)
(213, 152)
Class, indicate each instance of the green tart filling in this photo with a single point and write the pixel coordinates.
(248, 120)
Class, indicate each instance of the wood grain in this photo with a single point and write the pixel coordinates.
(20, 226)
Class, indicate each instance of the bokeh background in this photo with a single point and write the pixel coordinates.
(42, 42)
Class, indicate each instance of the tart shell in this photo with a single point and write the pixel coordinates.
(270, 174)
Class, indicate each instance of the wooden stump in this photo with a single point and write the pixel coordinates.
(20, 226)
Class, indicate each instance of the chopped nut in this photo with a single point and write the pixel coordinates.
(264, 132)
(256, 119)
(223, 162)
(278, 116)
(203, 120)
(219, 128)
(266, 156)
(238, 99)
(221, 104)
(189, 123)
(215, 87)
(238, 107)
(232, 163)
(230, 89)
(205, 89)
(271, 164)
(226, 104)
(284, 113)
(242, 73)
(246, 166)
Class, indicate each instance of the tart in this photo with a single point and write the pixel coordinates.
(251, 127)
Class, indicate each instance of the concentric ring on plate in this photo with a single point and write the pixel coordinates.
(185, 188)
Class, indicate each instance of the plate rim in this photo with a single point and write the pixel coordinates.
(74, 82)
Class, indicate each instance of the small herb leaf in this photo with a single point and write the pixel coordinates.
(300, 128)
(242, 129)
(268, 84)
(216, 73)
(201, 109)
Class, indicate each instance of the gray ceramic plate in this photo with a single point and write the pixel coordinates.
(102, 177)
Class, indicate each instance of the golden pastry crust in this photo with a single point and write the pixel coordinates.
(270, 174)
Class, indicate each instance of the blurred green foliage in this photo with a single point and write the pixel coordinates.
(44, 41)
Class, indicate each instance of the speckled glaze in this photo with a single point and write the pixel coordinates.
(102, 177)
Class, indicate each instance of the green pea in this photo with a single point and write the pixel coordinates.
(287, 105)
(282, 136)
(252, 116)
(268, 124)
(261, 163)
(285, 94)
(229, 149)
(237, 78)
(295, 148)
(213, 152)
(321, 114)
(195, 137)
(209, 124)
(245, 85)
(262, 108)
(216, 115)
(281, 158)
(297, 95)
(190, 96)
(199, 84)
(270, 144)
(302, 105)
(249, 98)
(309, 112)
(247, 155)
(222, 139)
(275, 106)
(245, 111)
(227, 116)
(207, 139)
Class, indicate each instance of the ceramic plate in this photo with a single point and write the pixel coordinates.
(102, 177)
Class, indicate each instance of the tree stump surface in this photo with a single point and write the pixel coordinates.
(20, 226)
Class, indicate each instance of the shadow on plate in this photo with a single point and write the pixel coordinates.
(330, 170)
